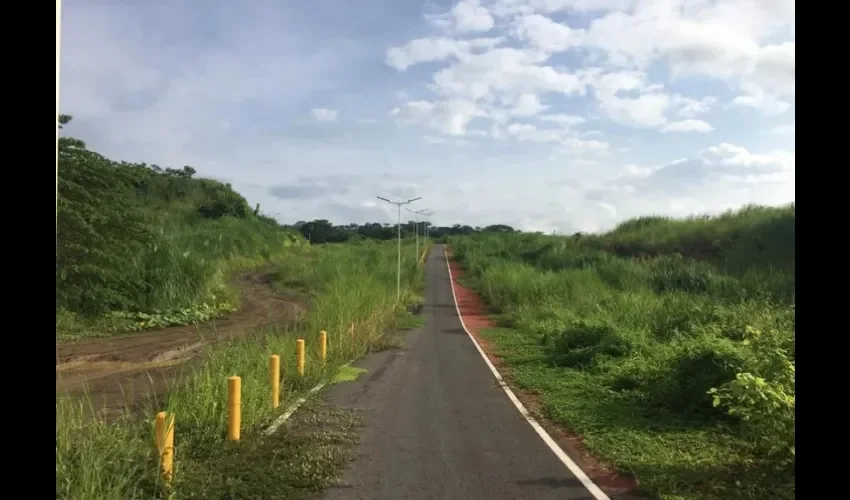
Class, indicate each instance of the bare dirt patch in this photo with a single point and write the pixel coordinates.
(127, 371)
(475, 316)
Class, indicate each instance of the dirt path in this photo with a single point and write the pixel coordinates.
(126, 371)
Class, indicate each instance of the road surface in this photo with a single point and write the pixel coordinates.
(437, 424)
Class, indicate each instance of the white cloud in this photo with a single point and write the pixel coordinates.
(536, 91)
(545, 34)
(449, 117)
(528, 105)
(690, 108)
(470, 16)
(515, 7)
(713, 180)
(729, 154)
(435, 48)
(789, 129)
(647, 110)
(324, 114)
(581, 147)
(723, 40)
(565, 120)
(758, 99)
(504, 71)
(688, 126)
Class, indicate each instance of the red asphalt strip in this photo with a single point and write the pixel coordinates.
(476, 318)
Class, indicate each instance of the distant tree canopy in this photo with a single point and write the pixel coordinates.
(322, 231)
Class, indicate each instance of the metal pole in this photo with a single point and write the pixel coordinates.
(398, 204)
(416, 232)
(398, 271)
(58, 48)
(416, 214)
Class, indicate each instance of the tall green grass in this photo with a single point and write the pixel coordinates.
(139, 246)
(686, 325)
(347, 283)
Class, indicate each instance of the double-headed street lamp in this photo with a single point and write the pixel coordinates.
(398, 204)
(417, 213)
(427, 226)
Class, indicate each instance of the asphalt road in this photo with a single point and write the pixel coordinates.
(438, 426)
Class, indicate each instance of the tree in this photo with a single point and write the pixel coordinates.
(498, 228)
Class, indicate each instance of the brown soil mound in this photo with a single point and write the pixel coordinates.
(127, 371)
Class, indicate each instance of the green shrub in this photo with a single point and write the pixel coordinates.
(100, 227)
(229, 205)
(694, 370)
(585, 342)
(766, 409)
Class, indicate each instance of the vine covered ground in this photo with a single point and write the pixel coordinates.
(668, 345)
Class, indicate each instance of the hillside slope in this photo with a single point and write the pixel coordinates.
(140, 246)
(669, 345)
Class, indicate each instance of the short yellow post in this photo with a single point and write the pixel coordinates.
(234, 408)
(165, 445)
(299, 352)
(274, 378)
(323, 343)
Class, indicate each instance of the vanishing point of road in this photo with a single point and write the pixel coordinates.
(437, 425)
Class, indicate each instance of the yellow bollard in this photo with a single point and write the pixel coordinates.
(299, 351)
(234, 408)
(165, 445)
(323, 345)
(274, 378)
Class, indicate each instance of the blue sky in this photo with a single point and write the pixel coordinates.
(550, 115)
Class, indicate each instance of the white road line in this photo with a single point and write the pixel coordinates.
(594, 490)
(289, 411)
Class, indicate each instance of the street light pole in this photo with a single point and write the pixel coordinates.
(398, 205)
(425, 223)
(416, 213)
(58, 48)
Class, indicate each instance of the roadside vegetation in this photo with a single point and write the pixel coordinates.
(668, 345)
(143, 247)
(139, 246)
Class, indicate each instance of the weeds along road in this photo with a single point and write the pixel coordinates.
(437, 423)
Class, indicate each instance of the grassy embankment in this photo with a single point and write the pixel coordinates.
(669, 345)
(142, 248)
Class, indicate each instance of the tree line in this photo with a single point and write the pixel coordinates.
(323, 231)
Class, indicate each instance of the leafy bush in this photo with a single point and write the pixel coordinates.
(99, 229)
(586, 341)
(763, 396)
(222, 202)
(694, 370)
(766, 409)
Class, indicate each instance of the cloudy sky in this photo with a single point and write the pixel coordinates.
(550, 115)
